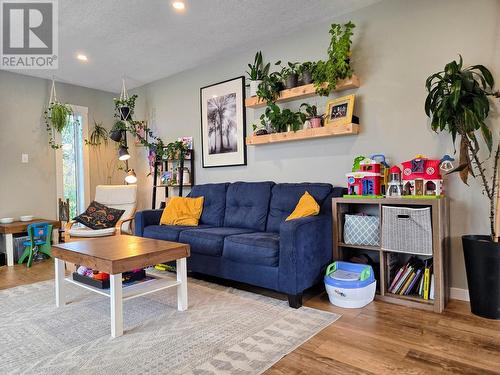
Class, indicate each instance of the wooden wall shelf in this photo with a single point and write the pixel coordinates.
(301, 92)
(325, 131)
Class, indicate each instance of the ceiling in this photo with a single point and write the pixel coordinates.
(146, 40)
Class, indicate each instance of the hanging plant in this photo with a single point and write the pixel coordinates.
(56, 117)
(125, 105)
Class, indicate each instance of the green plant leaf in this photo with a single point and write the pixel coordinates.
(488, 138)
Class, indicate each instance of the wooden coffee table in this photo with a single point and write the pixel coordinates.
(117, 254)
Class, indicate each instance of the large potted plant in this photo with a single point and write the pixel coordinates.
(458, 103)
(257, 71)
(327, 73)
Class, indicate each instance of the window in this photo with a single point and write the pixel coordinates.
(72, 164)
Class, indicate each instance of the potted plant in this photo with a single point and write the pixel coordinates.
(312, 115)
(281, 120)
(327, 73)
(257, 72)
(270, 87)
(116, 133)
(457, 103)
(56, 118)
(290, 74)
(306, 71)
(124, 106)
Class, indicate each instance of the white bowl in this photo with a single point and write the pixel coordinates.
(26, 218)
(6, 220)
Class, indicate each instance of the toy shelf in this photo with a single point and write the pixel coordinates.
(325, 131)
(440, 239)
(301, 92)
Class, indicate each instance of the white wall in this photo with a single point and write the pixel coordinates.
(31, 188)
(397, 45)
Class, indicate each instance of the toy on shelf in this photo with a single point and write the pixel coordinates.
(422, 178)
(365, 180)
(394, 187)
(384, 171)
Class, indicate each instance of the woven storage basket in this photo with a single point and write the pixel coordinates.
(407, 230)
(361, 230)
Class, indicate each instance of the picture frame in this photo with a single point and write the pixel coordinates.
(141, 127)
(223, 124)
(339, 111)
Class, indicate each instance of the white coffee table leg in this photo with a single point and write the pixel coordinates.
(59, 272)
(182, 293)
(9, 248)
(116, 305)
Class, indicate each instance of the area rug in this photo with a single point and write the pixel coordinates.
(224, 331)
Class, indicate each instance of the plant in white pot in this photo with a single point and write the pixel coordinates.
(458, 103)
(257, 73)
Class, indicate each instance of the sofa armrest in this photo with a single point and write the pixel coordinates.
(145, 218)
(305, 251)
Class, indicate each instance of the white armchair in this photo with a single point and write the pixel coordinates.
(122, 197)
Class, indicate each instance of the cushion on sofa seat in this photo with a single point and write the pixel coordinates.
(209, 241)
(261, 248)
(247, 205)
(284, 198)
(167, 232)
(214, 203)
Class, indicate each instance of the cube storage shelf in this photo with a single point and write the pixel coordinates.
(440, 246)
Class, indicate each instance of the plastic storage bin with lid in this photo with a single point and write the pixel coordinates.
(350, 285)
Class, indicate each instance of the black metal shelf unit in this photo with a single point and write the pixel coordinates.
(172, 165)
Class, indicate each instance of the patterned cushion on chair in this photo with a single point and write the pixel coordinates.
(99, 216)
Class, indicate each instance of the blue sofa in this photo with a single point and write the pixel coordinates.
(243, 235)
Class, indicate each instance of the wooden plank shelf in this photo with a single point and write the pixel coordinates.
(301, 92)
(364, 247)
(326, 131)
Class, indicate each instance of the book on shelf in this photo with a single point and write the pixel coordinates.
(413, 278)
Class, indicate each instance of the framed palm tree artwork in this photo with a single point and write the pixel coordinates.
(223, 126)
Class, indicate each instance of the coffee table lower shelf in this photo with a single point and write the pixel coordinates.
(137, 289)
(117, 294)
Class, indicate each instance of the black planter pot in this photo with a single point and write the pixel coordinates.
(115, 135)
(482, 263)
(124, 113)
(291, 81)
(306, 77)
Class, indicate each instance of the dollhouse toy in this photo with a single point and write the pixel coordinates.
(367, 180)
(394, 187)
(422, 177)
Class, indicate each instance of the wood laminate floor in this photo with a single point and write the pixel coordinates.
(379, 339)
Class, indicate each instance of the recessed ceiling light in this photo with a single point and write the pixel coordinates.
(82, 57)
(178, 5)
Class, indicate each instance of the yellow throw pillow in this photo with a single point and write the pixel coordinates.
(182, 211)
(307, 206)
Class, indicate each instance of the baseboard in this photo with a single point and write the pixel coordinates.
(460, 294)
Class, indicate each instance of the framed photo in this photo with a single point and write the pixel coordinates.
(223, 124)
(141, 128)
(339, 111)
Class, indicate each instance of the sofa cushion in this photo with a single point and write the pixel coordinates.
(214, 203)
(260, 248)
(209, 241)
(285, 197)
(247, 205)
(167, 232)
